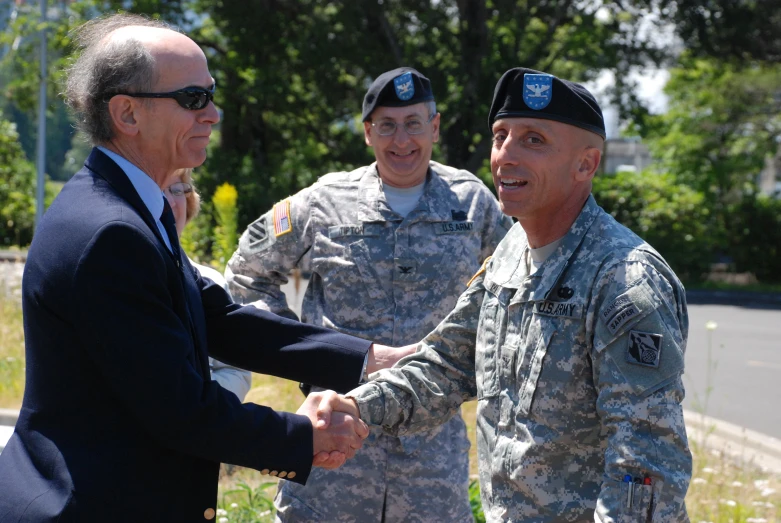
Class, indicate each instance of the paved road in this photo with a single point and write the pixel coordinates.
(745, 356)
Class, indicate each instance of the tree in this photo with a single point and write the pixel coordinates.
(17, 206)
(736, 30)
(723, 120)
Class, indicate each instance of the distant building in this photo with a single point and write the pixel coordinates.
(625, 154)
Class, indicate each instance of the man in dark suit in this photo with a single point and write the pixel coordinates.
(120, 421)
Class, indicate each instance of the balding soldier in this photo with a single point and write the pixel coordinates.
(571, 337)
(390, 247)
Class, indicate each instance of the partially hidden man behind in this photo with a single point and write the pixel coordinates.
(390, 247)
(120, 421)
(571, 337)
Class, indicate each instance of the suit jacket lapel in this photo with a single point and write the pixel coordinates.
(105, 167)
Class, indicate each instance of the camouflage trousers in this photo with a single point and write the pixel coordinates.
(422, 478)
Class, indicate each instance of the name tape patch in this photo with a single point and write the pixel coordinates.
(453, 227)
(553, 308)
(354, 229)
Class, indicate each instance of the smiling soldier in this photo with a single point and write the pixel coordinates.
(390, 247)
(571, 337)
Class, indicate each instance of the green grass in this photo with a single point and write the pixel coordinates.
(11, 350)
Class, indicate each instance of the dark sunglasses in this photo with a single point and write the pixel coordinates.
(192, 98)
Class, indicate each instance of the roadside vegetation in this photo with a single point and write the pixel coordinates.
(11, 347)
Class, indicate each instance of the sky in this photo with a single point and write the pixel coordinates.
(650, 84)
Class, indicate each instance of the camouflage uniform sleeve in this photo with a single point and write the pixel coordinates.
(639, 325)
(425, 389)
(269, 249)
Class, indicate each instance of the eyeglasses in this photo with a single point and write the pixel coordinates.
(193, 98)
(179, 189)
(411, 126)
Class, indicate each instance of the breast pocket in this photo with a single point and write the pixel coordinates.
(351, 286)
(541, 331)
(489, 335)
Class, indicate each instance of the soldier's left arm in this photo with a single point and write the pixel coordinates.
(638, 323)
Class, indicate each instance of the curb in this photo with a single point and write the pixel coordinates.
(8, 417)
(743, 445)
(765, 300)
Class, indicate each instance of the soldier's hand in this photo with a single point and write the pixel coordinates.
(337, 435)
(384, 357)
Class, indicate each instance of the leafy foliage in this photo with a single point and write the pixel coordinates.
(17, 189)
(722, 122)
(245, 504)
(669, 216)
(737, 30)
(755, 235)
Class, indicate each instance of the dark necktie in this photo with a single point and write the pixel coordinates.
(169, 224)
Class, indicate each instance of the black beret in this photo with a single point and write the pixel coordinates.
(398, 88)
(525, 93)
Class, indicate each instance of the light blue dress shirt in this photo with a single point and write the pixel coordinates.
(147, 189)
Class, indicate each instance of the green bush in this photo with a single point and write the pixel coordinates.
(17, 189)
(672, 217)
(754, 225)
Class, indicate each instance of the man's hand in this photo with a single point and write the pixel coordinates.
(384, 357)
(338, 429)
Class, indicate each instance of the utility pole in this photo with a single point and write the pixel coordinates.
(39, 192)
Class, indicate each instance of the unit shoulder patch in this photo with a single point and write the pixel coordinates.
(644, 348)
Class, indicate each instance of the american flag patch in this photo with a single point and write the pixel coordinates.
(282, 223)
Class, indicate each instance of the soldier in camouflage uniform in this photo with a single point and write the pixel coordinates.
(384, 273)
(571, 337)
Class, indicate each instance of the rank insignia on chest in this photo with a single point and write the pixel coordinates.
(405, 268)
(282, 222)
(644, 349)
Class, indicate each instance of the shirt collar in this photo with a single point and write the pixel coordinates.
(145, 186)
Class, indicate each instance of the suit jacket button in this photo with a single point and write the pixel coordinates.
(273, 472)
(291, 475)
(264, 472)
(208, 513)
(282, 474)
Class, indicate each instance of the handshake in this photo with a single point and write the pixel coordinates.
(338, 428)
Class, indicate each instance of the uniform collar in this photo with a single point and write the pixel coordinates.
(509, 267)
(149, 192)
(373, 206)
(554, 266)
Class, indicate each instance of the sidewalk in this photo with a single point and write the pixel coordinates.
(742, 445)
